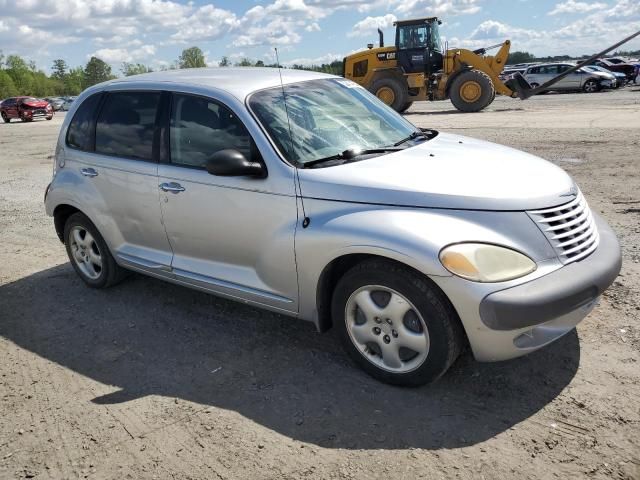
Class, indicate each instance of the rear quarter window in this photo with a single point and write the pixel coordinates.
(81, 133)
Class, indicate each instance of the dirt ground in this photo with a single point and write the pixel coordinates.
(152, 380)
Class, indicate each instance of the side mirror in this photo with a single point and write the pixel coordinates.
(232, 163)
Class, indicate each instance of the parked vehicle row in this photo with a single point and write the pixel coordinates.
(60, 103)
(582, 79)
(25, 109)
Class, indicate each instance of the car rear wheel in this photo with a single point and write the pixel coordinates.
(395, 324)
(5, 119)
(591, 86)
(89, 254)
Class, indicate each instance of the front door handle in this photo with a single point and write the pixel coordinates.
(172, 187)
(89, 172)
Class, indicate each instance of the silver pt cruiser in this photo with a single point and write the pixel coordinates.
(304, 194)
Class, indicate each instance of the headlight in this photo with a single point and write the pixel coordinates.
(482, 262)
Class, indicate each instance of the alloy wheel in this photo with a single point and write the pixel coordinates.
(85, 252)
(387, 329)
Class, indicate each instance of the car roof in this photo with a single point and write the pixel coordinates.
(238, 81)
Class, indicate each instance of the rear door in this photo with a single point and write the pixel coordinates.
(119, 167)
(10, 107)
(573, 81)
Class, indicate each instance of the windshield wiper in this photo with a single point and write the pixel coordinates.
(350, 154)
(413, 136)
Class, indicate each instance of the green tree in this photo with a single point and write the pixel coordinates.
(96, 71)
(520, 57)
(73, 81)
(129, 69)
(224, 62)
(192, 58)
(59, 69)
(245, 62)
(7, 87)
(18, 70)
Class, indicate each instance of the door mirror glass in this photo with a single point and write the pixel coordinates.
(232, 163)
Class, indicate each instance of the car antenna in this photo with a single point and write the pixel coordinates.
(306, 220)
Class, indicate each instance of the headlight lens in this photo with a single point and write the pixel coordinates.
(483, 262)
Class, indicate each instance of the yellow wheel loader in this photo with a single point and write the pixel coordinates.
(418, 68)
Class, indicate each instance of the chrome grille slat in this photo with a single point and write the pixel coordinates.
(570, 229)
(586, 234)
(582, 216)
(574, 231)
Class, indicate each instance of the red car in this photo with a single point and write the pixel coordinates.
(25, 108)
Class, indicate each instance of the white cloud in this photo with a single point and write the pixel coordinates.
(369, 25)
(119, 55)
(328, 58)
(312, 27)
(572, 6)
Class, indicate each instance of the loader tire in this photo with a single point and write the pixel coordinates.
(405, 107)
(472, 91)
(392, 90)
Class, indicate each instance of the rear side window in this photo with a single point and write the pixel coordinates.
(81, 131)
(126, 124)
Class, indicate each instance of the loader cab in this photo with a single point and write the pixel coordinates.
(418, 45)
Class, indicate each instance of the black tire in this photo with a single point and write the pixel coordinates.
(445, 332)
(397, 85)
(405, 107)
(591, 86)
(5, 119)
(111, 273)
(479, 102)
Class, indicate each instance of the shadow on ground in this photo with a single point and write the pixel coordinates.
(147, 337)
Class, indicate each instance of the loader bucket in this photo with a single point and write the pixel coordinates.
(517, 83)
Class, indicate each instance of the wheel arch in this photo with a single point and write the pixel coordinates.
(337, 267)
(61, 214)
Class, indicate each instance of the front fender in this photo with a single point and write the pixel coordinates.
(411, 236)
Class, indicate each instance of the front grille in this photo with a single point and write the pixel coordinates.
(570, 228)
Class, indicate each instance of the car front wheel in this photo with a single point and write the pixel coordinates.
(396, 324)
(5, 119)
(89, 254)
(591, 86)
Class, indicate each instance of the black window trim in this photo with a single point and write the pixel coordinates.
(156, 124)
(164, 137)
(94, 120)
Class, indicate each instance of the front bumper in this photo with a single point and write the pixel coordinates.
(514, 321)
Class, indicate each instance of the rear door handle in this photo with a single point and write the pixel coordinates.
(172, 187)
(89, 172)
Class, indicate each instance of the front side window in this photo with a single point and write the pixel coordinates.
(326, 117)
(200, 127)
(126, 124)
(81, 131)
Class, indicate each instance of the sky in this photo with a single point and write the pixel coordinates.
(154, 32)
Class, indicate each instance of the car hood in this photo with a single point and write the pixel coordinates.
(449, 171)
(37, 104)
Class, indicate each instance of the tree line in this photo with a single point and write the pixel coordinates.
(21, 77)
(526, 57)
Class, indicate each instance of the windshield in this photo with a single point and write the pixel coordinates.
(327, 117)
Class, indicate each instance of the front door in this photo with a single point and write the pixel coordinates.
(413, 49)
(230, 235)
